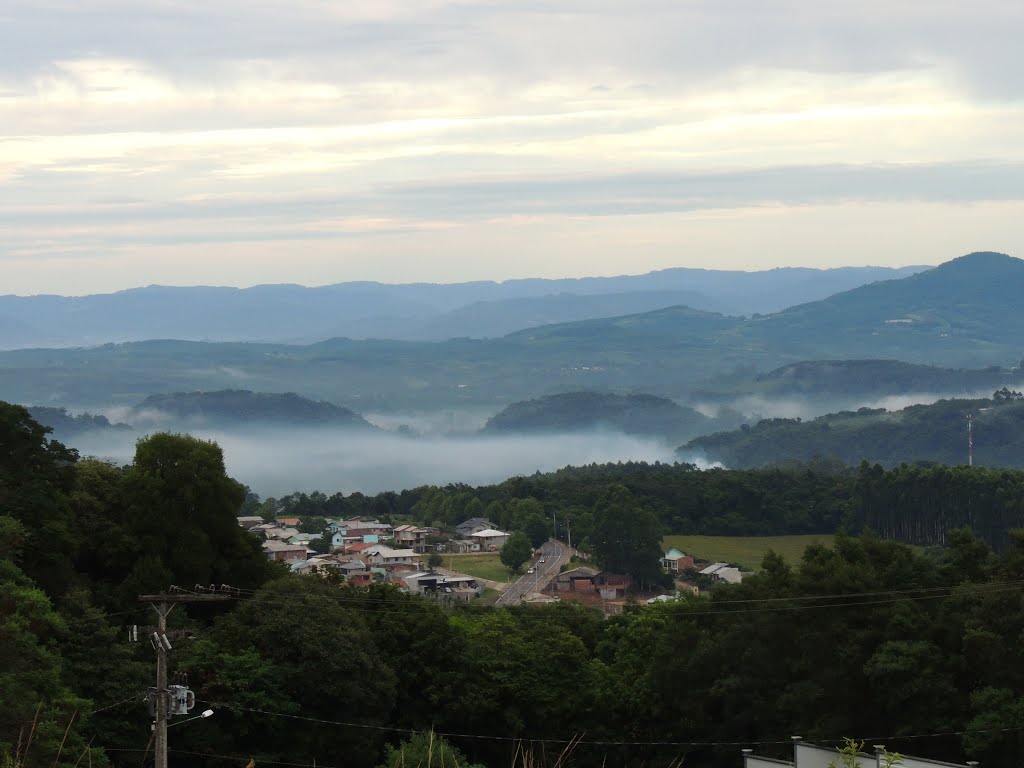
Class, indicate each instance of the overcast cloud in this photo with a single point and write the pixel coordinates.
(186, 142)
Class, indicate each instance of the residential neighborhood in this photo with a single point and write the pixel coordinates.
(362, 551)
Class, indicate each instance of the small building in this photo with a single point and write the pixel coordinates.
(464, 546)
(812, 756)
(413, 537)
(723, 572)
(612, 586)
(575, 580)
(474, 525)
(381, 556)
(287, 522)
(249, 521)
(282, 551)
(455, 586)
(675, 561)
(490, 538)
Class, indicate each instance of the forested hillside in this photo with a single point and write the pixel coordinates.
(575, 411)
(845, 380)
(936, 433)
(241, 407)
(302, 670)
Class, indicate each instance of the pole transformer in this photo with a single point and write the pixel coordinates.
(163, 604)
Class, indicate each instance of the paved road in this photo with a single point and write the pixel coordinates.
(554, 553)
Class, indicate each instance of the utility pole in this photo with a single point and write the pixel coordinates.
(568, 530)
(970, 439)
(163, 604)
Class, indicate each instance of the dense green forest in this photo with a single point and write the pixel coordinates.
(936, 433)
(868, 638)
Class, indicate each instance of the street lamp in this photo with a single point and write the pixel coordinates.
(200, 716)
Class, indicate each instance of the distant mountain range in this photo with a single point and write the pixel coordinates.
(411, 312)
(963, 314)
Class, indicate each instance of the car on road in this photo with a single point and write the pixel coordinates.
(542, 560)
(531, 570)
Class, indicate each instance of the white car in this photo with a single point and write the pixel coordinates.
(542, 560)
(531, 570)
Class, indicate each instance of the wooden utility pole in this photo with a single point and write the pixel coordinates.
(163, 604)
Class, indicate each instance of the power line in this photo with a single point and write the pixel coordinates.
(771, 605)
(134, 697)
(601, 743)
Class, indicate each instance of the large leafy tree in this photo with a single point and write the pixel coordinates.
(180, 509)
(301, 645)
(516, 551)
(626, 538)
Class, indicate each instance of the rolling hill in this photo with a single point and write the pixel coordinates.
(936, 433)
(579, 411)
(961, 314)
(239, 407)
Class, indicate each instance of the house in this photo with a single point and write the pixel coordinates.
(812, 756)
(455, 586)
(358, 549)
(340, 540)
(412, 537)
(382, 556)
(612, 586)
(360, 527)
(576, 580)
(305, 538)
(490, 538)
(280, 550)
(276, 532)
(473, 525)
(723, 572)
(287, 522)
(248, 521)
(350, 567)
(464, 546)
(675, 561)
(318, 565)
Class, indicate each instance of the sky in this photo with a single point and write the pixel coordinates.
(190, 142)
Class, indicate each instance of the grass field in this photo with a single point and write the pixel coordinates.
(747, 551)
(484, 565)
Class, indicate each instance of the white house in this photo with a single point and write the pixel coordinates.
(490, 538)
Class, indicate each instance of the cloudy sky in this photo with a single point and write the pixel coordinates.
(316, 141)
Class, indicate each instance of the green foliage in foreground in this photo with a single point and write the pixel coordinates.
(862, 637)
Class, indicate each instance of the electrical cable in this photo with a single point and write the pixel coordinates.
(133, 697)
(600, 743)
(928, 593)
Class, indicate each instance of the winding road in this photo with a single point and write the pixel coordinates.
(554, 553)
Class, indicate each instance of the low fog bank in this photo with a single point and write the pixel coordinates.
(275, 462)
